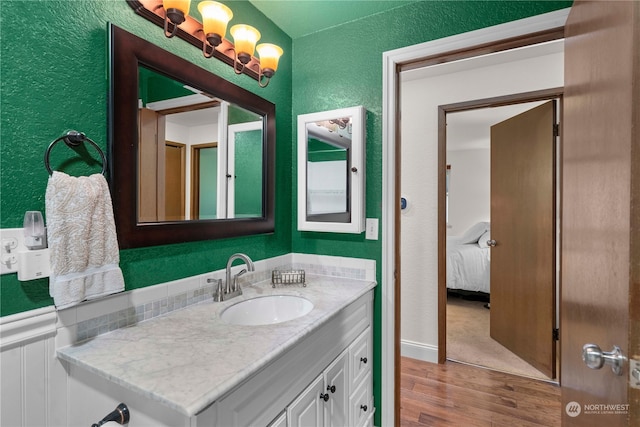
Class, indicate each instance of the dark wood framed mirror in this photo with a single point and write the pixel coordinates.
(139, 196)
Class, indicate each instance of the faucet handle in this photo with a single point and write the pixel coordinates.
(236, 287)
(218, 295)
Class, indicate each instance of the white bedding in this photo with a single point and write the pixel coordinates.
(467, 266)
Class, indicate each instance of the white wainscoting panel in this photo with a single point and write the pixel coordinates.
(27, 365)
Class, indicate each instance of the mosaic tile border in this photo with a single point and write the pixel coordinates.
(93, 327)
(130, 316)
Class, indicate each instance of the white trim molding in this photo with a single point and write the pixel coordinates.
(420, 351)
(390, 61)
(27, 326)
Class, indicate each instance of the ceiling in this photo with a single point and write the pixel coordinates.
(299, 18)
(471, 130)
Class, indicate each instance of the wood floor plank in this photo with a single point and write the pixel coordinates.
(454, 394)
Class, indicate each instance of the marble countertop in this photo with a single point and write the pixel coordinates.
(189, 358)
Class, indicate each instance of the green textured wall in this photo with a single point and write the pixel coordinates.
(342, 67)
(54, 78)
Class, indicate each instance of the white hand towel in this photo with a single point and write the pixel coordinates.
(82, 239)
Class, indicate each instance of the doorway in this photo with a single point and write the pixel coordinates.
(501, 183)
(544, 27)
(422, 232)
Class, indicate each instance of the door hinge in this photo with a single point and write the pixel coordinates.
(556, 334)
(556, 129)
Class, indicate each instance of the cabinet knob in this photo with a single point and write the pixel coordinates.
(363, 359)
(324, 396)
(354, 169)
(331, 388)
(364, 408)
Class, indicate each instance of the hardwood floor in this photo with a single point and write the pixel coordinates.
(457, 395)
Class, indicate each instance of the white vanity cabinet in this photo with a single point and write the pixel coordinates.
(308, 408)
(281, 421)
(342, 395)
(322, 364)
(326, 401)
(284, 392)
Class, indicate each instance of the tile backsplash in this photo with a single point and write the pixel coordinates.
(93, 318)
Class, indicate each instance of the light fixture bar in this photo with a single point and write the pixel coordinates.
(191, 32)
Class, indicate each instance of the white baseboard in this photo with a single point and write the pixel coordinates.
(420, 351)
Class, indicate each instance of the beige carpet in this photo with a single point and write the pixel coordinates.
(468, 340)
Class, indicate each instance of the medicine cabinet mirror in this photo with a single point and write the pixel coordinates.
(331, 171)
(193, 154)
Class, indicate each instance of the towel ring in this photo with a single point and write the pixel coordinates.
(73, 139)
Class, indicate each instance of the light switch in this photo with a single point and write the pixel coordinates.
(371, 229)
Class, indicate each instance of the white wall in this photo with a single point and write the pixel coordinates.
(508, 73)
(469, 189)
(190, 135)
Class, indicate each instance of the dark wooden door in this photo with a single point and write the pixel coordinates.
(522, 224)
(601, 216)
(175, 181)
(151, 166)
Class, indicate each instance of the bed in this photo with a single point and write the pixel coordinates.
(468, 260)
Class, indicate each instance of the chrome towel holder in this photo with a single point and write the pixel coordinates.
(73, 139)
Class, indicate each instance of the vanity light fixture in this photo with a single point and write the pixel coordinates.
(173, 16)
(269, 56)
(245, 38)
(176, 12)
(215, 17)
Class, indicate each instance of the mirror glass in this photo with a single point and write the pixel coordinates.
(328, 180)
(195, 149)
(331, 170)
(193, 155)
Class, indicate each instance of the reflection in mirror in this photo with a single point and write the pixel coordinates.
(328, 180)
(193, 154)
(331, 171)
(194, 150)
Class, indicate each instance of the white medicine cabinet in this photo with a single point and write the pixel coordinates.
(331, 170)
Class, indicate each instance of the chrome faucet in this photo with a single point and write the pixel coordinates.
(232, 287)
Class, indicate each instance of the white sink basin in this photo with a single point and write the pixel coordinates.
(266, 310)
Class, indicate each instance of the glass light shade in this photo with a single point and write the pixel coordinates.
(181, 5)
(269, 55)
(215, 17)
(245, 38)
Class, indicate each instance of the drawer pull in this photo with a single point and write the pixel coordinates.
(331, 388)
(324, 396)
(364, 408)
(363, 360)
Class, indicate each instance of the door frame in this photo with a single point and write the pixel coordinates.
(195, 176)
(491, 39)
(443, 110)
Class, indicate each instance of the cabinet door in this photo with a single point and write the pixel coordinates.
(281, 421)
(308, 408)
(361, 404)
(360, 353)
(336, 409)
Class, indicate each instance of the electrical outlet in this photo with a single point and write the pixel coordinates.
(11, 241)
(371, 225)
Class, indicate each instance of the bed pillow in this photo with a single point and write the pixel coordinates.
(482, 241)
(473, 234)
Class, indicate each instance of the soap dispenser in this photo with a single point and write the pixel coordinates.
(34, 262)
